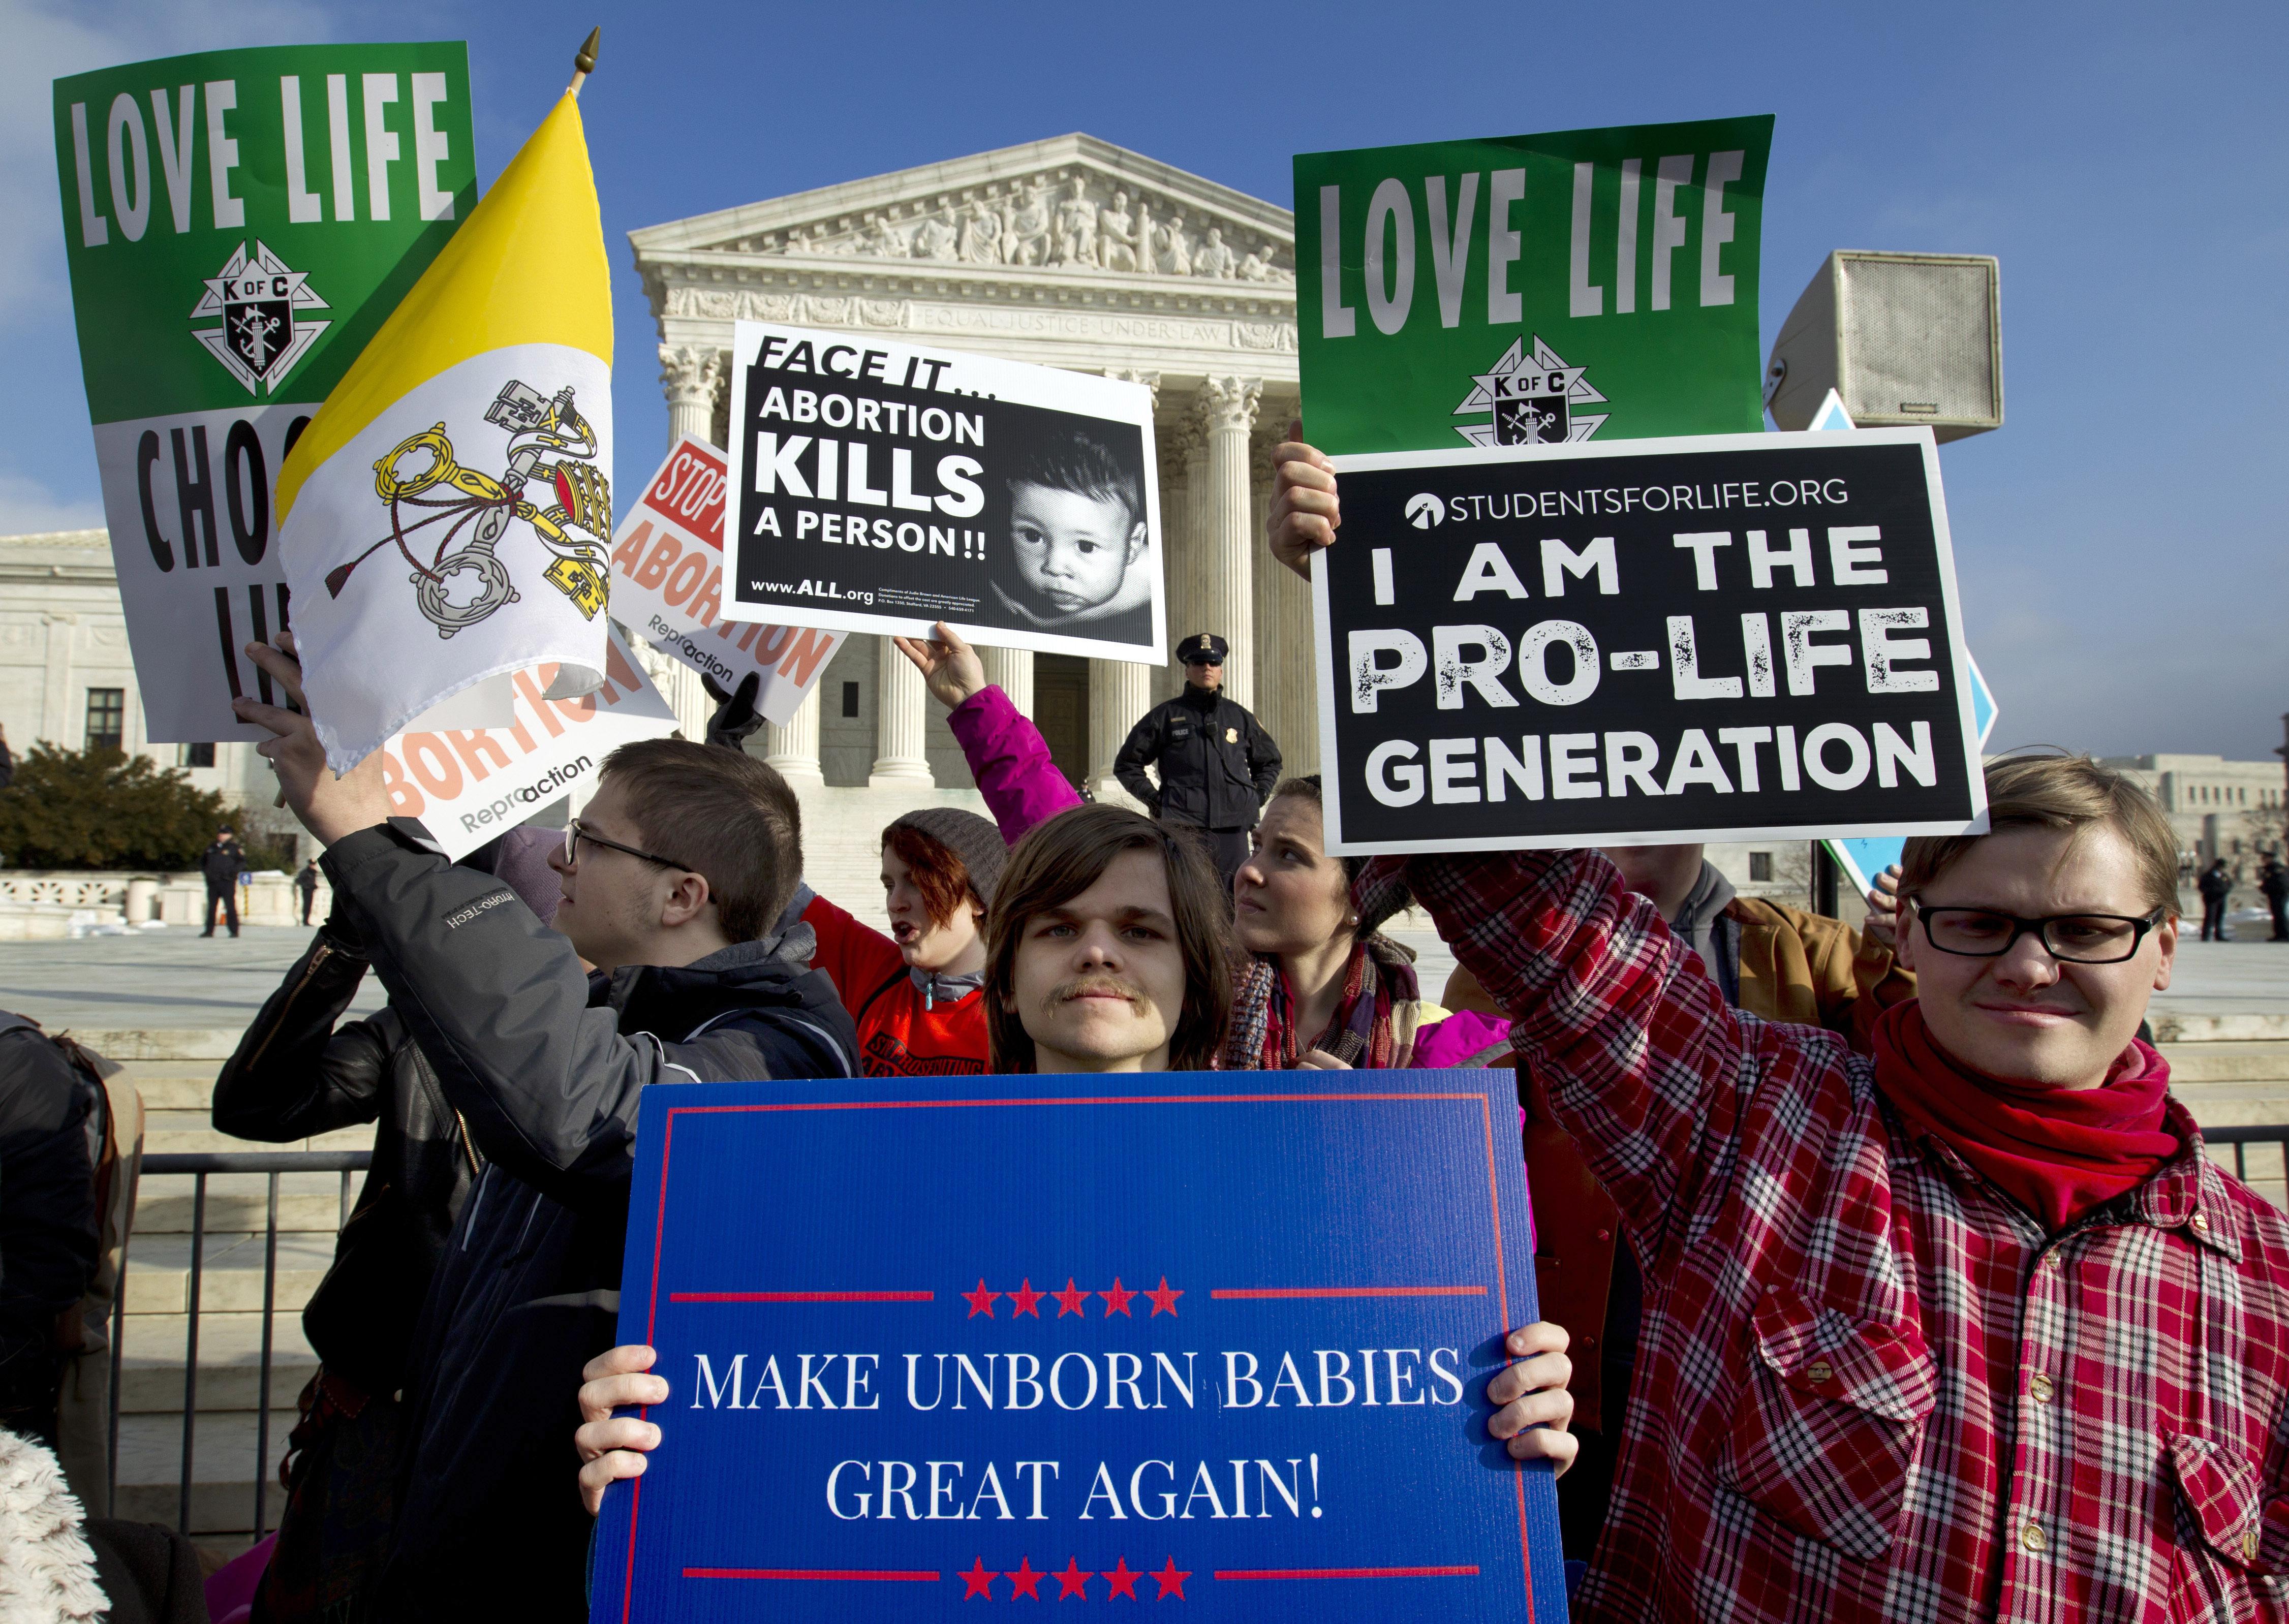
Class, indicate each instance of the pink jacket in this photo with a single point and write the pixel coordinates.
(1010, 762)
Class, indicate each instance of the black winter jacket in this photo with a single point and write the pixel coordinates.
(545, 1066)
(295, 1075)
(50, 1130)
(220, 862)
(1218, 764)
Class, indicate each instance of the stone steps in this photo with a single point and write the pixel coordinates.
(222, 1468)
(230, 1272)
(230, 1361)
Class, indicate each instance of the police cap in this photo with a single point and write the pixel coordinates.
(1202, 648)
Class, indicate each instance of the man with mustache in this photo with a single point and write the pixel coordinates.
(1971, 1328)
(1109, 950)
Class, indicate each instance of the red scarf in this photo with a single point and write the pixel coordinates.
(2059, 1152)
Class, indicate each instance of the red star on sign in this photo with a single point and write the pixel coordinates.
(977, 1581)
(1072, 1581)
(1023, 1300)
(1026, 1580)
(1172, 1582)
(981, 1301)
(1072, 1300)
(1164, 1300)
(1116, 1300)
(1123, 1579)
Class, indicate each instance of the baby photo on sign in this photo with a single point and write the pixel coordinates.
(880, 486)
(1075, 552)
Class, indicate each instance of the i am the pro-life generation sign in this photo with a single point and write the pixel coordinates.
(1214, 1344)
(880, 487)
(237, 224)
(1532, 290)
(1734, 637)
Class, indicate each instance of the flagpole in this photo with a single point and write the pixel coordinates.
(584, 62)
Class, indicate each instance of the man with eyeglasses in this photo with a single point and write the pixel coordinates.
(1971, 1328)
(1217, 764)
(672, 880)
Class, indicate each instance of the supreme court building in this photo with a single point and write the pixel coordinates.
(1068, 252)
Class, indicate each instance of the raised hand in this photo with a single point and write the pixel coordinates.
(736, 716)
(1304, 514)
(1883, 920)
(328, 807)
(951, 669)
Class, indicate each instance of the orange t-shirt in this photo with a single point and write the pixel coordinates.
(897, 1036)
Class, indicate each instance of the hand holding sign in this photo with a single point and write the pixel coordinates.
(951, 669)
(1304, 512)
(613, 1447)
(329, 807)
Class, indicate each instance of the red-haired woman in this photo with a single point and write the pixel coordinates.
(915, 992)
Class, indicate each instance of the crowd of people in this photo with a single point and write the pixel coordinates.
(1882, 1276)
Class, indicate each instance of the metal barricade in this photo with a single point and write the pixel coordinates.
(2242, 1138)
(199, 1167)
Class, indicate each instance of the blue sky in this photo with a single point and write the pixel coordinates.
(2123, 570)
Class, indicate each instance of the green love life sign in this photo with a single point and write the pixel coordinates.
(237, 225)
(1530, 288)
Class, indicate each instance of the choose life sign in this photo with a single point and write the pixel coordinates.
(1532, 290)
(1728, 637)
(936, 1344)
(237, 224)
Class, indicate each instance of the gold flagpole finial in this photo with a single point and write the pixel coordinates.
(584, 62)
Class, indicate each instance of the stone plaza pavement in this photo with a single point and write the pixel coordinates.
(172, 980)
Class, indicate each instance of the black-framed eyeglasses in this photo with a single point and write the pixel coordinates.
(2071, 938)
(1201, 661)
(574, 834)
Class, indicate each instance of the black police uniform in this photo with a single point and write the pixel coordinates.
(1218, 764)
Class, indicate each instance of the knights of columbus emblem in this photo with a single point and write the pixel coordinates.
(1531, 400)
(264, 333)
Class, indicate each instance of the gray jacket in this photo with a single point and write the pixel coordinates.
(545, 1065)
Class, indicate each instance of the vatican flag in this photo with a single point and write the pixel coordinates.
(445, 517)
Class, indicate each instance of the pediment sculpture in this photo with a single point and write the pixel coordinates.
(1075, 220)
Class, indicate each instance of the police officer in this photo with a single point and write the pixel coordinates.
(1218, 764)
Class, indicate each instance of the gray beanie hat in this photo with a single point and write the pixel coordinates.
(973, 839)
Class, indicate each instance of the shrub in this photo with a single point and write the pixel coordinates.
(100, 808)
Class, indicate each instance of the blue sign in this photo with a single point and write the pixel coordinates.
(1218, 1340)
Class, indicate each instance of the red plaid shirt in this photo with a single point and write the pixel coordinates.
(1868, 1385)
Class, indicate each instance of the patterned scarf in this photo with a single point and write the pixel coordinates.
(1373, 1024)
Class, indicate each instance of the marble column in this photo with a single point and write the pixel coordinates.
(1183, 445)
(679, 686)
(1011, 669)
(690, 378)
(901, 757)
(1286, 668)
(1119, 695)
(1229, 559)
(793, 750)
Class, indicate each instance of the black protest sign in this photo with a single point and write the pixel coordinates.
(882, 487)
(1739, 636)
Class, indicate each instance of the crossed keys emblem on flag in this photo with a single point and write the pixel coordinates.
(457, 588)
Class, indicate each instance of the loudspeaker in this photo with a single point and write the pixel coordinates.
(1903, 338)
